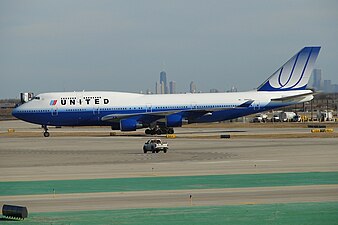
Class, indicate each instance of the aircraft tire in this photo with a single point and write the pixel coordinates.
(46, 134)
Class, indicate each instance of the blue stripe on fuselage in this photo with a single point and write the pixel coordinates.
(90, 117)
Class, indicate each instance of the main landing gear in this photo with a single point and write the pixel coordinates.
(160, 130)
(45, 133)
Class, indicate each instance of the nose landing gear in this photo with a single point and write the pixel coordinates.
(45, 133)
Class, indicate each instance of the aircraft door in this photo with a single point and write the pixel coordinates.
(96, 110)
(149, 108)
(54, 108)
(257, 105)
(55, 111)
(194, 105)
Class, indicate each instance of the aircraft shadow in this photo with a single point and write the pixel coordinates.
(213, 132)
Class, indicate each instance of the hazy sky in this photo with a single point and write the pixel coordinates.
(123, 45)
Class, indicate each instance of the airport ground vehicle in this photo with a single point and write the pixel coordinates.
(155, 145)
(325, 116)
(275, 118)
(260, 118)
(287, 116)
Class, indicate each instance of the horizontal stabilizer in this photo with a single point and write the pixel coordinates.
(291, 98)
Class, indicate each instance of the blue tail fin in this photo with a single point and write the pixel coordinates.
(294, 74)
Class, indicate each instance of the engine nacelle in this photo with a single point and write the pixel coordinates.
(174, 120)
(129, 125)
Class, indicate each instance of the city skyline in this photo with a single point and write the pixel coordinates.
(319, 84)
(164, 82)
(49, 46)
(160, 87)
(316, 82)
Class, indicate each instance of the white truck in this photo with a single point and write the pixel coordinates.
(275, 118)
(260, 118)
(155, 145)
(287, 116)
(325, 116)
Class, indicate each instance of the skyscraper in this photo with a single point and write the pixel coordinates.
(172, 87)
(327, 86)
(163, 78)
(162, 88)
(157, 88)
(317, 79)
(192, 87)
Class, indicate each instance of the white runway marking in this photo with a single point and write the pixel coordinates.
(235, 161)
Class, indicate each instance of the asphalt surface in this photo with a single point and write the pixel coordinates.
(176, 198)
(92, 157)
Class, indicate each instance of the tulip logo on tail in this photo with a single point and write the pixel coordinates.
(294, 74)
(53, 102)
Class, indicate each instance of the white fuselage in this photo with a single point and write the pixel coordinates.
(90, 108)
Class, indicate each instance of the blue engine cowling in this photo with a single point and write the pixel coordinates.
(129, 125)
(174, 120)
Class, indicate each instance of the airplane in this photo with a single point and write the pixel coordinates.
(161, 113)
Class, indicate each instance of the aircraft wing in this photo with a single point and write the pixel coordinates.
(118, 117)
(153, 116)
(196, 113)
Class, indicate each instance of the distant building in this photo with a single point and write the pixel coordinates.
(214, 90)
(163, 78)
(317, 79)
(335, 88)
(172, 87)
(157, 88)
(327, 87)
(192, 87)
(232, 89)
(162, 88)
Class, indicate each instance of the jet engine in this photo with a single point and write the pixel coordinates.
(129, 125)
(174, 120)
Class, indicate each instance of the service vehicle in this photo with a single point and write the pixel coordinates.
(275, 118)
(155, 146)
(260, 118)
(287, 116)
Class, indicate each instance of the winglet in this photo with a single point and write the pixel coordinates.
(294, 74)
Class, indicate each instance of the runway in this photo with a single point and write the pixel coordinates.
(61, 158)
(177, 198)
(110, 157)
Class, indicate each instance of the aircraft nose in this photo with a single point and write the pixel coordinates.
(16, 112)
